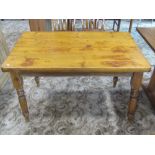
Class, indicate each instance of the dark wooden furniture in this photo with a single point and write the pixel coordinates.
(149, 36)
(130, 25)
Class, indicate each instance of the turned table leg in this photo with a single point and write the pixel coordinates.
(18, 84)
(136, 81)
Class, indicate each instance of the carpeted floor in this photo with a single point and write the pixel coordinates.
(75, 105)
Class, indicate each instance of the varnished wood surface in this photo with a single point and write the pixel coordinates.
(17, 81)
(149, 35)
(136, 82)
(76, 52)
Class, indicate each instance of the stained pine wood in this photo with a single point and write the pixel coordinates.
(136, 82)
(17, 81)
(149, 36)
(75, 53)
(93, 52)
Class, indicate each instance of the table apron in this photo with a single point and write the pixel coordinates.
(74, 74)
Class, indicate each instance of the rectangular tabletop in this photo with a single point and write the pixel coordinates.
(63, 52)
(148, 33)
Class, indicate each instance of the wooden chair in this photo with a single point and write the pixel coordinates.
(117, 22)
(48, 25)
(97, 25)
(59, 25)
(116, 25)
(69, 24)
(89, 24)
(37, 25)
(130, 25)
(116, 28)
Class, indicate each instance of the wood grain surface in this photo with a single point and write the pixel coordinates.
(93, 52)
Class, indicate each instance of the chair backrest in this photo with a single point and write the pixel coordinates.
(59, 25)
(50, 24)
(116, 25)
(70, 24)
(89, 24)
(37, 24)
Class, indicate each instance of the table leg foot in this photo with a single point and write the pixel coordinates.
(18, 84)
(135, 85)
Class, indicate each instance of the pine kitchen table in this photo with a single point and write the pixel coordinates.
(76, 53)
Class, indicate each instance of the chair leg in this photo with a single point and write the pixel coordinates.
(91, 24)
(97, 24)
(87, 24)
(115, 79)
(102, 27)
(59, 24)
(37, 81)
(118, 25)
(114, 25)
(64, 24)
(69, 24)
(116, 22)
(82, 24)
(95, 20)
(73, 26)
(130, 26)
